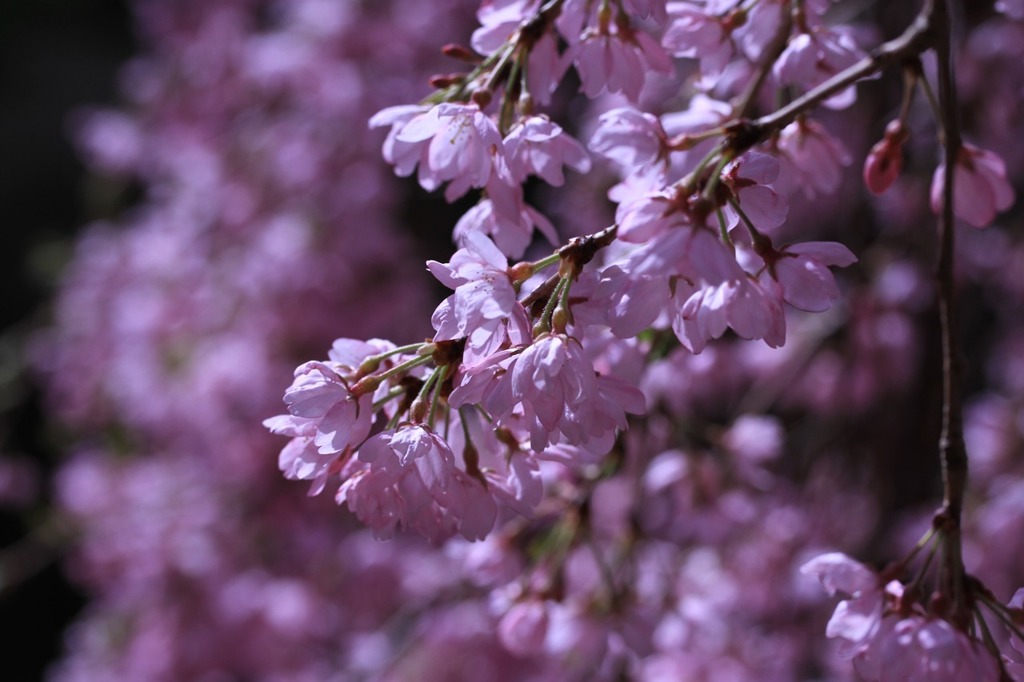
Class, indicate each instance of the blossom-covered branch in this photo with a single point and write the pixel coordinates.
(582, 467)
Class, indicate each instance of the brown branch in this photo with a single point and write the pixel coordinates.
(951, 443)
(915, 39)
(952, 449)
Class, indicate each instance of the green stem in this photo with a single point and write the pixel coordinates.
(762, 244)
(370, 383)
(933, 102)
(688, 183)
(391, 395)
(545, 262)
(1000, 611)
(419, 405)
(435, 400)
(370, 364)
(716, 176)
(723, 229)
(544, 323)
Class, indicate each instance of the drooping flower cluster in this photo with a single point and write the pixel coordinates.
(891, 635)
(613, 481)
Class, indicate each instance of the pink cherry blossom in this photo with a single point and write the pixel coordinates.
(813, 57)
(449, 142)
(703, 113)
(475, 383)
(552, 377)
(650, 215)
(815, 158)
(919, 648)
(545, 68)
(555, 384)
(1016, 604)
(757, 439)
(694, 253)
(539, 147)
(412, 482)
(326, 420)
(704, 312)
(749, 178)
(710, 291)
(626, 303)
(762, 23)
(320, 393)
(508, 220)
(484, 308)
(802, 270)
(756, 311)
(499, 19)
(511, 471)
(402, 155)
(663, 552)
(980, 189)
(629, 137)
(618, 61)
(574, 16)
(698, 33)
(858, 616)
(300, 459)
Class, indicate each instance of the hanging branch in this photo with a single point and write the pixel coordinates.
(952, 449)
(951, 444)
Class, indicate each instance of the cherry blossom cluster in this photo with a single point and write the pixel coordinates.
(699, 246)
(694, 250)
(582, 467)
(697, 243)
(899, 631)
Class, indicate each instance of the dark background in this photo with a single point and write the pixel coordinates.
(56, 56)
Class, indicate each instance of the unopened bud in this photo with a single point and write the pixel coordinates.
(560, 319)
(456, 51)
(369, 366)
(446, 80)
(366, 385)
(418, 410)
(883, 164)
(482, 98)
(520, 272)
(526, 104)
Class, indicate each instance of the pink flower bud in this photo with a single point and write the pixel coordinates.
(882, 166)
(885, 160)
